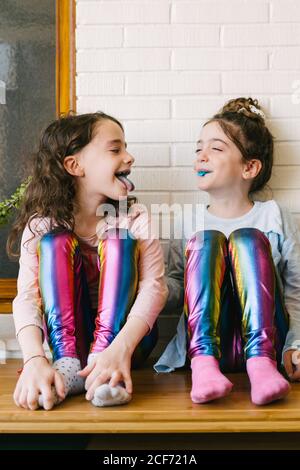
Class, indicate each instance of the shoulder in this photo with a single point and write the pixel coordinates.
(281, 218)
(39, 224)
(140, 222)
(268, 216)
(289, 222)
(137, 220)
(35, 228)
(268, 206)
(137, 210)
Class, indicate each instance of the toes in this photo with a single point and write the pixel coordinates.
(115, 392)
(103, 392)
(110, 396)
(212, 390)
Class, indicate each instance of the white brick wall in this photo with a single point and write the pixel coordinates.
(164, 66)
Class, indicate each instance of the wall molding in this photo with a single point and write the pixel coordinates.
(65, 56)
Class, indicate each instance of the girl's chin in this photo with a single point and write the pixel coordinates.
(116, 195)
(120, 191)
(202, 184)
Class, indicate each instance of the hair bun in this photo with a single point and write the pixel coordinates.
(247, 106)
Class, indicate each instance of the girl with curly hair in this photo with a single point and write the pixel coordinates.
(91, 276)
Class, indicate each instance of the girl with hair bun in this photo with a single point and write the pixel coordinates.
(238, 277)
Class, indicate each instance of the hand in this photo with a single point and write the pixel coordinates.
(111, 366)
(37, 378)
(291, 360)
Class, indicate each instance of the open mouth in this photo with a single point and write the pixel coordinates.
(203, 172)
(123, 177)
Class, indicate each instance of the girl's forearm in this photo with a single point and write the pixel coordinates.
(31, 342)
(132, 333)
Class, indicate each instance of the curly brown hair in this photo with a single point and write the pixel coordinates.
(51, 190)
(242, 120)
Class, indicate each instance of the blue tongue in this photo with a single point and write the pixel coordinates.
(202, 173)
(126, 181)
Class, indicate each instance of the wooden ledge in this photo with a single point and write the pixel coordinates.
(8, 291)
(161, 404)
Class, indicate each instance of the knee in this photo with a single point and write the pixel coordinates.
(61, 238)
(244, 235)
(118, 237)
(204, 237)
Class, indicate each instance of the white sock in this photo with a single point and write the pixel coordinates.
(105, 395)
(74, 384)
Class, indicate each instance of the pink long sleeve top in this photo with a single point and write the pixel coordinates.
(152, 289)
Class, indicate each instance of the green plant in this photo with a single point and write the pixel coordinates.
(8, 206)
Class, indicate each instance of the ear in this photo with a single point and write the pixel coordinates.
(252, 168)
(72, 166)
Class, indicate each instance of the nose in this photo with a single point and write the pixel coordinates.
(203, 157)
(129, 159)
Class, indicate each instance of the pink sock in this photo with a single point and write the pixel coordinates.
(208, 383)
(267, 384)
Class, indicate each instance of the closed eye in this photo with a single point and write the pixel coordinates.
(214, 148)
(115, 150)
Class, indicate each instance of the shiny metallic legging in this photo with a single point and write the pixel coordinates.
(72, 328)
(233, 302)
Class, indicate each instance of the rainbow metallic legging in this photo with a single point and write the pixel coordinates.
(233, 301)
(72, 328)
